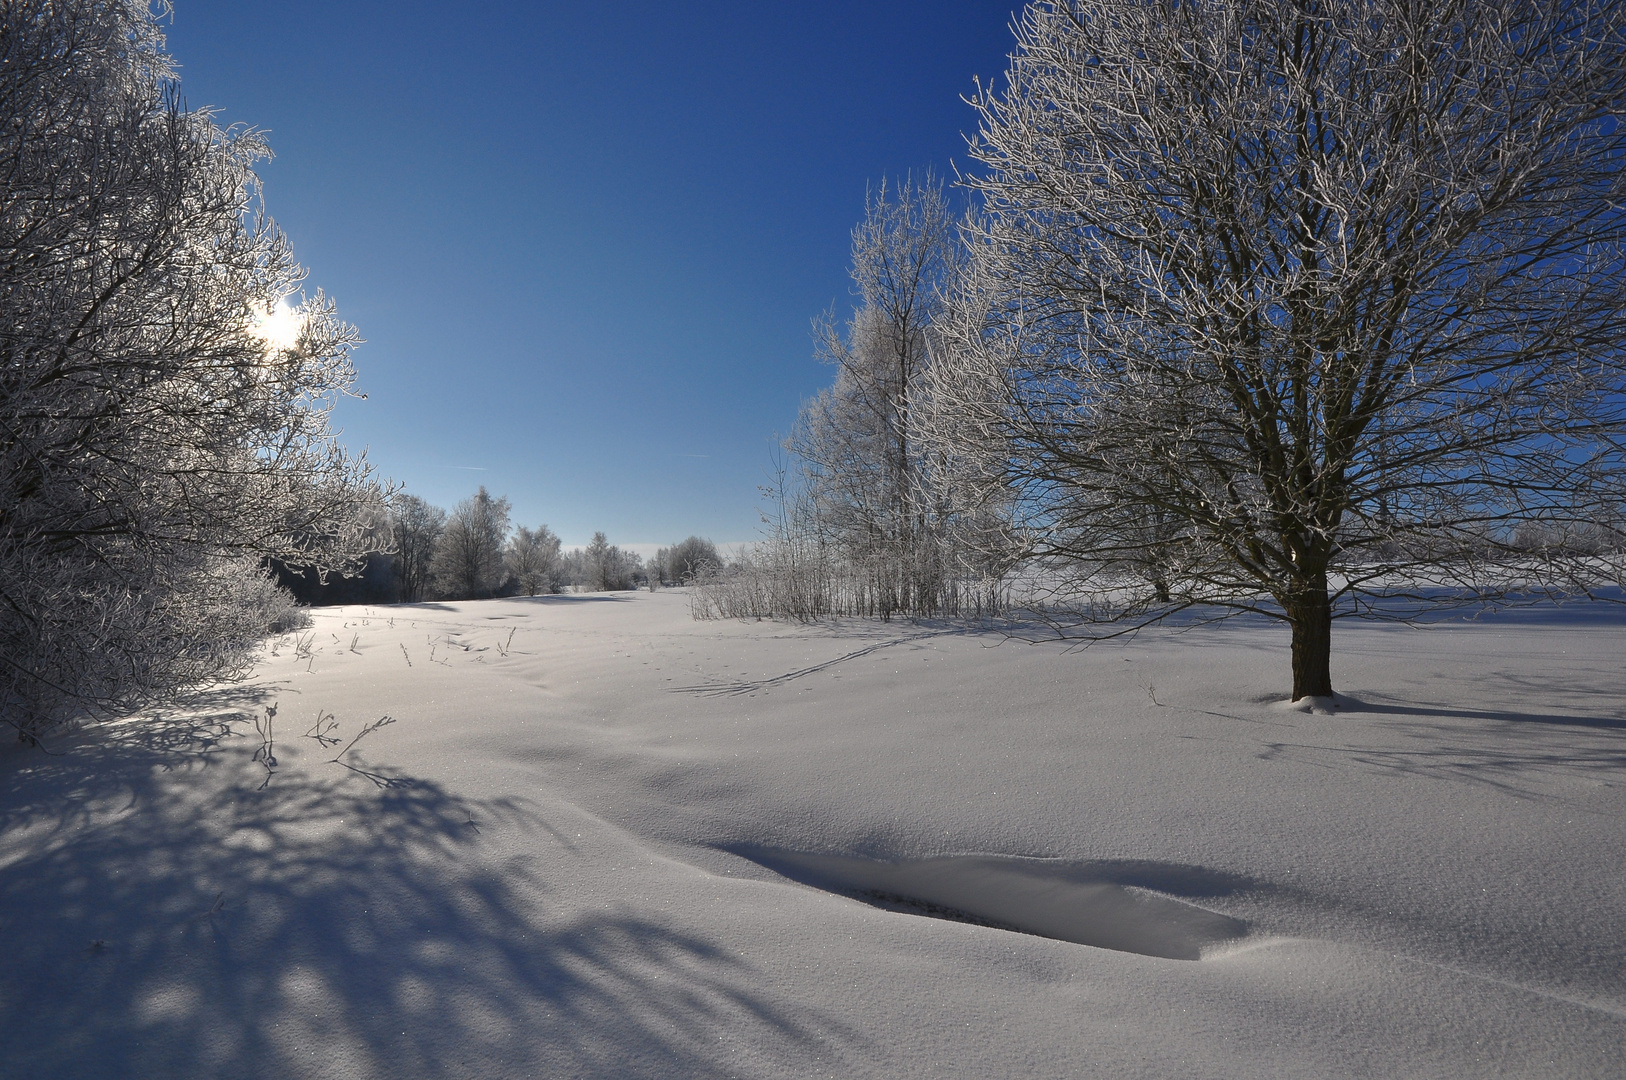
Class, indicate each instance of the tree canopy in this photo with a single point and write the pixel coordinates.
(1308, 300)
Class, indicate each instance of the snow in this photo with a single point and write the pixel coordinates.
(1049, 897)
(603, 840)
(1312, 703)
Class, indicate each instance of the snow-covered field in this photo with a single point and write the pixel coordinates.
(591, 840)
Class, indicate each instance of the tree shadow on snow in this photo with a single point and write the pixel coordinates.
(1369, 704)
(164, 918)
(1606, 610)
(1518, 753)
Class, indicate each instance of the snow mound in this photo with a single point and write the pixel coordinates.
(1313, 705)
(1048, 898)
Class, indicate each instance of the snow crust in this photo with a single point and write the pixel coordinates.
(602, 840)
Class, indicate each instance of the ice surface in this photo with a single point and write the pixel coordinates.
(539, 868)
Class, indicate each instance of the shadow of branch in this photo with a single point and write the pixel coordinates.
(166, 919)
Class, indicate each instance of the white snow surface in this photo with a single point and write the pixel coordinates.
(600, 839)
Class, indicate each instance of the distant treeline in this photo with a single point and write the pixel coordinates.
(474, 552)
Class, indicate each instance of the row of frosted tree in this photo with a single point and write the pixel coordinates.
(1311, 310)
(472, 553)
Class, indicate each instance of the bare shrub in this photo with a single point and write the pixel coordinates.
(797, 573)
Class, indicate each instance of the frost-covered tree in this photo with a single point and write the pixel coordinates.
(418, 526)
(598, 561)
(531, 557)
(867, 480)
(164, 418)
(871, 501)
(468, 560)
(602, 566)
(1303, 300)
(681, 562)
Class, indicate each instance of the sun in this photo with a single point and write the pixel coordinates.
(278, 326)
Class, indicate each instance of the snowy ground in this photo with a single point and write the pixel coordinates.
(591, 848)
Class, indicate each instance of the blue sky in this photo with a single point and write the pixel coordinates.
(585, 242)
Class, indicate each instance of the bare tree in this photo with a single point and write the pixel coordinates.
(418, 526)
(531, 557)
(1302, 301)
(164, 416)
(468, 558)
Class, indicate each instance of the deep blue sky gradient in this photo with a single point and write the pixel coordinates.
(585, 241)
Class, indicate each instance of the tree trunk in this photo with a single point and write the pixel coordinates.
(1310, 615)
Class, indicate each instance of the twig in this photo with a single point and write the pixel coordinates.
(31, 738)
(406, 654)
(378, 779)
(322, 731)
(362, 734)
(218, 906)
(267, 753)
